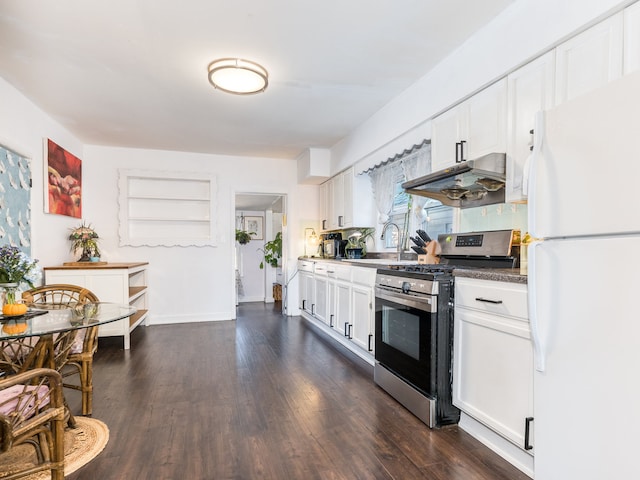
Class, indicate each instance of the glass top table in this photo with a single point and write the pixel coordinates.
(50, 319)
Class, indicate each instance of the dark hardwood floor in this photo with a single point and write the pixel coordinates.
(263, 397)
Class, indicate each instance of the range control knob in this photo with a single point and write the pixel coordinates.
(406, 287)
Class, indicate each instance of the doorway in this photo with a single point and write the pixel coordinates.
(262, 215)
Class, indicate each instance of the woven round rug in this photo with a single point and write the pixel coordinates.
(81, 445)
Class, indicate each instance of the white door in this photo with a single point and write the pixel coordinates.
(587, 322)
(581, 152)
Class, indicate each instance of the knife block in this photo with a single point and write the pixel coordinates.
(431, 257)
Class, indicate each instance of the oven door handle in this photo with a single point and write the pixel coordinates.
(421, 303)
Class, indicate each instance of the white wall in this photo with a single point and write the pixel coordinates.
(23, 128)
(191, 283)
(521, 32)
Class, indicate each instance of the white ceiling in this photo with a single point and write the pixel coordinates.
(133, 73)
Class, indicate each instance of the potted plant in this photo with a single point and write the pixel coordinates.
(84, 239)
(242, 237)
(272, 251)
(15, 268)
(357, 242)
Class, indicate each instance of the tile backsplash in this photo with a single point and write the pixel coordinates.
(494, 217)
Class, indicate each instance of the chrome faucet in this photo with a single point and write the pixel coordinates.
(384, 229)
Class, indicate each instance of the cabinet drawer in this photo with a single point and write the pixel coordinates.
(364, 276)
(305, 266)
(499, 298)
(321, 268)
(340, 272)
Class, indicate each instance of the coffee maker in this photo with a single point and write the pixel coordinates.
(332, 245)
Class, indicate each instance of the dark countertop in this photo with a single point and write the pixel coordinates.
(511, 275)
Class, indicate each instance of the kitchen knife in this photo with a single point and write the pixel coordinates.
(423, 235)
(419, 250)
(419, 242)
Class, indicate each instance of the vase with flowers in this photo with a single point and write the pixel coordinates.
(16, 268)
(84, 241)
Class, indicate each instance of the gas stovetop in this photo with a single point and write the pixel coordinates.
(433, 268)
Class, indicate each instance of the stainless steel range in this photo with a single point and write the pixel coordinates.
(414, 322)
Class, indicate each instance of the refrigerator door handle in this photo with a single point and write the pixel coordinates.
(530, 172)
(536, 339)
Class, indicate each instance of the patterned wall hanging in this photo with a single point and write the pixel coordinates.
(15, 200)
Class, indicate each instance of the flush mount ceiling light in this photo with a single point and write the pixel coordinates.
(238, 76)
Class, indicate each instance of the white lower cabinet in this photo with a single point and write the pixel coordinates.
(305, 270)
(341, 298)
(320, 286)
(493, 358)
(362, 318)
(124, 283)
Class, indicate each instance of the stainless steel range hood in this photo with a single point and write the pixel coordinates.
(472, 183)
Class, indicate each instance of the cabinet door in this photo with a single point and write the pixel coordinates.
(324, 206)
(589, 60)
(347, 200)
(343, 308)
(632, 38)
(493, 372)
(331, 222)
(530, 89)
(338, 202)
(320, 297)
(486, 121)
(445, 133)
(331, 302)
(362, 317)
(306, 296)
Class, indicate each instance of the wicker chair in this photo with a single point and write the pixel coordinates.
(80, 358)
(32, 411)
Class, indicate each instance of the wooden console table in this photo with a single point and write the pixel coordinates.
(111, 282)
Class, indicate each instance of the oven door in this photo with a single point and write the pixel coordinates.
(406, 337)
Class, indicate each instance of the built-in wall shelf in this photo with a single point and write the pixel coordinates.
(167, 208)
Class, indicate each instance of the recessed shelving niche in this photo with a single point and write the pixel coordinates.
(167, 208)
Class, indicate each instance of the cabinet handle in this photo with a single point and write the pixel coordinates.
(462, 159)
(324, 224)
(370, 338)
(331, 320)
(313, 306)
(488, 300)
(350, 335)
(340, 221)
(346, 324)
(303, 304)
(457, 152)
(527, 432)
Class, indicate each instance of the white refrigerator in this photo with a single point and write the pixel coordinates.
(584, 285)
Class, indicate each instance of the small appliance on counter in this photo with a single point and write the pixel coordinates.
(332, 245)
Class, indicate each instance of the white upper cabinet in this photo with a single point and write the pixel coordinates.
(473, 128)
(445, 138)
(324, 205)
(337, 219)
(530, 89)
(347, 201)
(632, 38)
(487, 121)
(589, 60)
